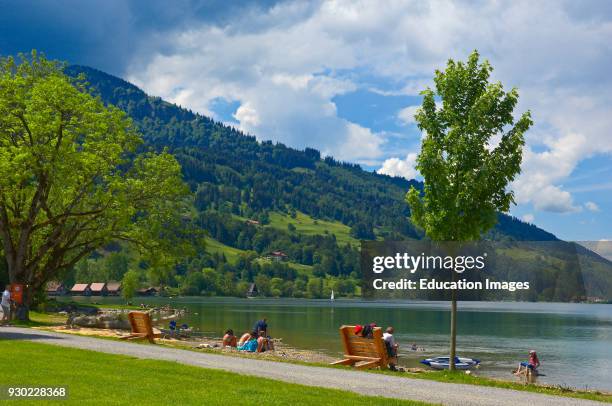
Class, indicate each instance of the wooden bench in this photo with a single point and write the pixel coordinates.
(142, 327)
(362, 352)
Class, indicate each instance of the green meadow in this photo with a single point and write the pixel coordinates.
(304, 224)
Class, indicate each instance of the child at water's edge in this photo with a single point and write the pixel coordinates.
(531, 367)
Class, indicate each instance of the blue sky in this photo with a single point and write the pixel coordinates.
(344, 77)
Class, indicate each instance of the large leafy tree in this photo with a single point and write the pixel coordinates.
(470, 152)
(74, 176)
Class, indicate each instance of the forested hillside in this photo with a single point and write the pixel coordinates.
(249, 197)
(230, 170)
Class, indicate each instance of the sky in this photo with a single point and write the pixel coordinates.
(345, 76)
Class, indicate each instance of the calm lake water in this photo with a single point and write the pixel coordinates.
(573, 341)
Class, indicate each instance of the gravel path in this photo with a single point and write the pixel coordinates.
(355, 381)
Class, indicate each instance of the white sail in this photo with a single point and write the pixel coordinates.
(332, 295)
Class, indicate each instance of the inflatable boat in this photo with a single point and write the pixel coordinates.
(443, 362)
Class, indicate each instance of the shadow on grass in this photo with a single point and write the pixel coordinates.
(14, 335)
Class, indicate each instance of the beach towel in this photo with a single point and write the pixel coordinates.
(249, 346)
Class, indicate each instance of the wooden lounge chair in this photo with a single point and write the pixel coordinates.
(362, 352)
(141, 327)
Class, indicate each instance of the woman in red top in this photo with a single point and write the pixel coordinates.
(534, 362)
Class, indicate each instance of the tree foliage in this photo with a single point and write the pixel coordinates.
(466, 175)
(74, 175)
(129, 284)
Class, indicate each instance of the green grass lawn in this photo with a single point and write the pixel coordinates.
(40, 319)
(98, 378)
(304, 224)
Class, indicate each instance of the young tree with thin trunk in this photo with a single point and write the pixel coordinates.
(470, 152)
(74, 176)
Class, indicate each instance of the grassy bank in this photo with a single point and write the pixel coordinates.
(113, 379)
(463, 378)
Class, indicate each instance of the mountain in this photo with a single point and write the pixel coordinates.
(291, 220)
(227, 167)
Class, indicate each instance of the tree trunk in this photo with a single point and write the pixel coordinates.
(453, 326)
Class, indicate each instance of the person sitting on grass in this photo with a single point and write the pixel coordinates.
(229, 339)
(531, 367)
(391, 347)
(264, 343)
(244, 338)
(249, 342)
(261, 327)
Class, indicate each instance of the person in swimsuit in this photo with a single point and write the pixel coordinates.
(229, 339)
(249, 343)
(530, 367)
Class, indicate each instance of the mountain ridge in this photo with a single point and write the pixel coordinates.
(155, 117)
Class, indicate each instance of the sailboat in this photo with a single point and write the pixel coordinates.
(332, 296)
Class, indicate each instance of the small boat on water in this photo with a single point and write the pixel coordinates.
(332, 296)
(443, 362)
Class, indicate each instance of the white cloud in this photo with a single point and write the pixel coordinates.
(406, 115)
(360, 145)
(400, 167)
(542, 171)
(286, 65)
(247, 115)
(591, 206)
(528, 218)
(294, 82)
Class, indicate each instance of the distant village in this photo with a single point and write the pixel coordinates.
(55, 288)
(96, 289)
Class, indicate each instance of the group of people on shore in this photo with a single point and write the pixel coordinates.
(256, 340)
(259, 340)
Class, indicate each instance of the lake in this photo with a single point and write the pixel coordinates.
(573, 341)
